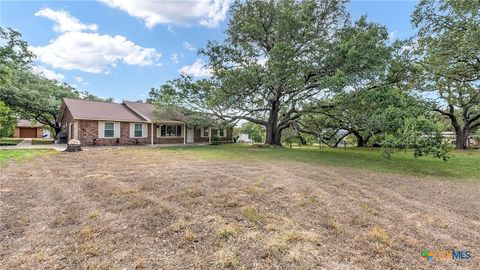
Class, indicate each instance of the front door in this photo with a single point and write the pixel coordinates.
(190, 135)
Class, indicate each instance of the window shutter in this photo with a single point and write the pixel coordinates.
(132, 130)
(101, 127)
(144, 131)
(117, 130)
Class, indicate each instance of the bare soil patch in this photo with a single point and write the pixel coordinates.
(140, 208)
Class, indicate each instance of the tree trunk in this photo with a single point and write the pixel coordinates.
(273, 135)
(461, 139)
(361, 142)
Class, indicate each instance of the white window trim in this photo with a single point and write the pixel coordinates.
(159, 131)
(201, 132)
(144, 130)
(101, 130)
(224, 132)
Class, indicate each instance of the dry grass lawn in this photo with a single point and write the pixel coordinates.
(141, 208)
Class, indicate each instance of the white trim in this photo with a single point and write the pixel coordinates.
(101, 130)
(159, 131)
(184, 134)
(151, 134)
(224, 132)
(202, 134)
(132, 130)
(75, 130)
(209, 134)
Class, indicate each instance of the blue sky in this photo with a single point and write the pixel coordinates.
(122, 48)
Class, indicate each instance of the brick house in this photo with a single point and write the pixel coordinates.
(96, 123)
(28, 129)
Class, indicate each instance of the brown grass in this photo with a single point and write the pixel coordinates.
(142, 208)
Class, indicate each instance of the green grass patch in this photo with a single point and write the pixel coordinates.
(461, 165)
(42, 141)
(9, 141)
(7, 155)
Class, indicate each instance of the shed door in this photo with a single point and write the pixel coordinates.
(28, 132)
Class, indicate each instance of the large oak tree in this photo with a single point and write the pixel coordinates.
(279, 60)
(448, 52)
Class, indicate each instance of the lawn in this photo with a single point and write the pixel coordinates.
(461, 165)
(20, 154)
(231, 207)
(10, 141)
(42, 141)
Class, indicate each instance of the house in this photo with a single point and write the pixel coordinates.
(96, 123)
(28, 129)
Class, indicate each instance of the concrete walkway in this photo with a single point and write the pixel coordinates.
(27, 144)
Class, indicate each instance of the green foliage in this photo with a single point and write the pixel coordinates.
(14, 53)
(421, 134)
(215, 140)
(447, 52)
(7, 121)
(35, 97)
(255, 132)
(279, 58)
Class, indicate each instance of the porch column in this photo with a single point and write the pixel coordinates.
(210, 135)
(151, 134)
(184, 133)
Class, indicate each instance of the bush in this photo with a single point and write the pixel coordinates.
(215, 140)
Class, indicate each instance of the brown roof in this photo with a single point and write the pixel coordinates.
(26, 123)
(148, 111)
(94, 110)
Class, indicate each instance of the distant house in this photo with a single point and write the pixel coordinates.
(28, 129)
(451, 138)
(129, 123)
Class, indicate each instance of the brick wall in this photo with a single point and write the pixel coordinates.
(197, 138)
(16, 133)
(88, 136)
(39, 132)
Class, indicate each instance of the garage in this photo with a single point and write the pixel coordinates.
(28, 132)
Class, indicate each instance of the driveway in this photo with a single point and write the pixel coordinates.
(27, 144)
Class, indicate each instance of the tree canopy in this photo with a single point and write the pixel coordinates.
(447, 50)
(280, 60)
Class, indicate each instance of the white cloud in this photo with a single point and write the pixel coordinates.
(208, 13)
(78, 79)
(174, 58)
(92, 52)
(393, 35)
(89, 52)
(189, 46)
(47, 73)
(197, 69)
(64, 21)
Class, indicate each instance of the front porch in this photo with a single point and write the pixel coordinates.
(178, 132)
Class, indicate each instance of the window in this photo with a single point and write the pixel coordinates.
(204, 131)
(171, 131)
(138, 131)
(109, 130)
(221, 132)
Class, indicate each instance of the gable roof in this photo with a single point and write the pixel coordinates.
(27, 123)
(95, 110)
(146, 110)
